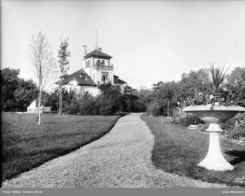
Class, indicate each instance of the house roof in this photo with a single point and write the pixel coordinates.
(81, 77)
(64, 76)
(120, 81)
(97, 53)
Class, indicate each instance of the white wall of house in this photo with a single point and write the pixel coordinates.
(95, 74)
(72, 86)
(108, 73)
(89, 71)
(91, 89)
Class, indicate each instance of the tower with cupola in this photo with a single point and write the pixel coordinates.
(98, 66)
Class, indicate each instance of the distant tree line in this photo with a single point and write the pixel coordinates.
(111, 100)
(17, 94)
(165, 96)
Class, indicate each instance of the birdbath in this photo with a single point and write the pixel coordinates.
(214, 159)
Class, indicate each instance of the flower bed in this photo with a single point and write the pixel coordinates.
(184, 119)
(235, 127)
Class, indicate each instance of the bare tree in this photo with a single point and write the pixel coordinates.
(42, 64)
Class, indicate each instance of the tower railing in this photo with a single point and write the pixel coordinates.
(102, 67)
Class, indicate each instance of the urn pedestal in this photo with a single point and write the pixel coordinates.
(214, 159)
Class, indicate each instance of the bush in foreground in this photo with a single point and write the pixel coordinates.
(184, 119)
(234, 128)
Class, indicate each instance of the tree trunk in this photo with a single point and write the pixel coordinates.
(39, 105)
(60, 105)
(168, 107)
(40, 94)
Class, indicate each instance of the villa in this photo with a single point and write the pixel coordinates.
(96, 68)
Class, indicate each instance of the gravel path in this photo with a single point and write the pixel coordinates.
(122, 158)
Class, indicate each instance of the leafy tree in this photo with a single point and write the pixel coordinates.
(25, 93)
(163, 96)
(145, 96)
(237, 74)
(16, 93)
(63, 55)
(9, 83)
(236, 85)
(43, 64)
(157, 86)
(52, 100)
(167, 93)
(109, 99)
(192, 83)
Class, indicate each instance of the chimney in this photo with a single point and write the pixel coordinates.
(84, 50)
(99, 49)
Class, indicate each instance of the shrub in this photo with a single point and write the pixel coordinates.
(106, 110)
(154, 109)
(184, 119)
(88, 107)
(70, 103)
(234, 128)
(108, 102)
(138, 107)
(72, 108)
(82, 103)
(106, 106)
(131, 103)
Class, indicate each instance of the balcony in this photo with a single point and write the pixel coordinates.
(102, 67)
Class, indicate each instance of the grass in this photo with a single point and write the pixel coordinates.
(178, 150)
(26, 145)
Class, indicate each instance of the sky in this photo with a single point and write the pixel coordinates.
(150, 41)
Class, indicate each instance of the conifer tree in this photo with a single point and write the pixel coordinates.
(63, 55)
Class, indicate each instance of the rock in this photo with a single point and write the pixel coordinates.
(193, 127)
(216, 104)
(65, 172)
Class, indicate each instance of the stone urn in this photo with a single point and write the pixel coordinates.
(214, 159)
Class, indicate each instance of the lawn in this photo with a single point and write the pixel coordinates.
(178, 150)
(26, 145)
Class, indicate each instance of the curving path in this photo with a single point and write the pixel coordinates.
(122, 158)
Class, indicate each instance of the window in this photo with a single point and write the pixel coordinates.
(104, 78)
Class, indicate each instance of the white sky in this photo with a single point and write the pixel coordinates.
(150, 41)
